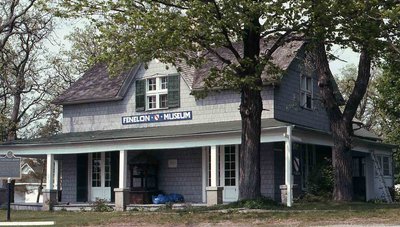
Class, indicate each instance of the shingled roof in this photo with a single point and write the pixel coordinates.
(96, 85)
(281, 58)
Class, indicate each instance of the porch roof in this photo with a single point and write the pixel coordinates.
(149, 132)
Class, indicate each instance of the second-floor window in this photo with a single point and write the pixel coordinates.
(306, 92)
(157, 93)
(161, 92)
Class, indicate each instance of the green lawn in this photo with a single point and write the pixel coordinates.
(302, 214)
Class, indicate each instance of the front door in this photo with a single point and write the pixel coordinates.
(100, 176)
(359, 184)
(229, 172)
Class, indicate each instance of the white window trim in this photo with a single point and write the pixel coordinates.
(157, 93)
(303, 90)
(380, 162)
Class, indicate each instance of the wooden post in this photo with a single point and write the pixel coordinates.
(214, 166)
(288, 167)
(50, 172)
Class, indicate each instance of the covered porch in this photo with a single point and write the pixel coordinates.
(198, 161)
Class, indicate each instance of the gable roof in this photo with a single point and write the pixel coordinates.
(96, 85)
(282, 57)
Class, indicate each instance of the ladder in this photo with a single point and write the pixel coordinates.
(385, 190)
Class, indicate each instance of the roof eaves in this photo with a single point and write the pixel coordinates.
(128, 81)
(116, 98)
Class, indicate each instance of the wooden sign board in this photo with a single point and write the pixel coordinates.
(10, 166)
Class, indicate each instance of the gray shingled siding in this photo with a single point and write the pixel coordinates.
(216, 107)
(186, 179)
(68, 178)
(287, 101)
(267, 170)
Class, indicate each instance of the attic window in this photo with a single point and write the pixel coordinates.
(306, 92)
(158, 93)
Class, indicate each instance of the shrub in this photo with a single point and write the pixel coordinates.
(100, 205)
(320, 180)
(259, 203)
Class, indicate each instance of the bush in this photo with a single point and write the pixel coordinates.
(320, 180)
(260, 203)
(100, 205)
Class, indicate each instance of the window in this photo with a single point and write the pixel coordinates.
(158, 93)
(385, 164)
(152, 84)
(96, 170)
(107, 169)
(230, 166)
(306, 91)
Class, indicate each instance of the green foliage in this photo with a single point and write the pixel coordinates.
(388, 103)
(320, 181)
(259, 203)
(100, 205)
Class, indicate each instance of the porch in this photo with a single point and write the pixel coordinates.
(194, 160)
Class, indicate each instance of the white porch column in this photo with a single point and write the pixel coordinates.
(288, 167)
(122, 193)
(123, 166)
(49, 194)
(56, 175)
(50, 172)
(214, 165)
(214, 193)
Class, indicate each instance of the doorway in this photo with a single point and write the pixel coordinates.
(228, 171)
(100, 176)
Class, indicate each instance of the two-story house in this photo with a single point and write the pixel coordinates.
(127, 137)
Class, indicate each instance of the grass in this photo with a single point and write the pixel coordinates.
(302, 214)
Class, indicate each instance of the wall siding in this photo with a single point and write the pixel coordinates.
(267, 170)
(68, 178)
(216, 107)
(287, 100)
(186, 179)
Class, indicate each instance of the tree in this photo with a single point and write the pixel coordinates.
(174, 31)
(366, 111)
(12, 17)
(27, 87)
(367, 27)
(388, 102)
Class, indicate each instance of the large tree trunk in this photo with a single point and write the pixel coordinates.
(341, 156)
(342, 162)
(341, 122)
(250, 110)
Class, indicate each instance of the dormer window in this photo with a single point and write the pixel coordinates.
(157, 93)
(306, 92)
(160, 92)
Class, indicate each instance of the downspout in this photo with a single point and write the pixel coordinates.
(288, 166)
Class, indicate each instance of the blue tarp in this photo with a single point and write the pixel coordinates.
(170, 198)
